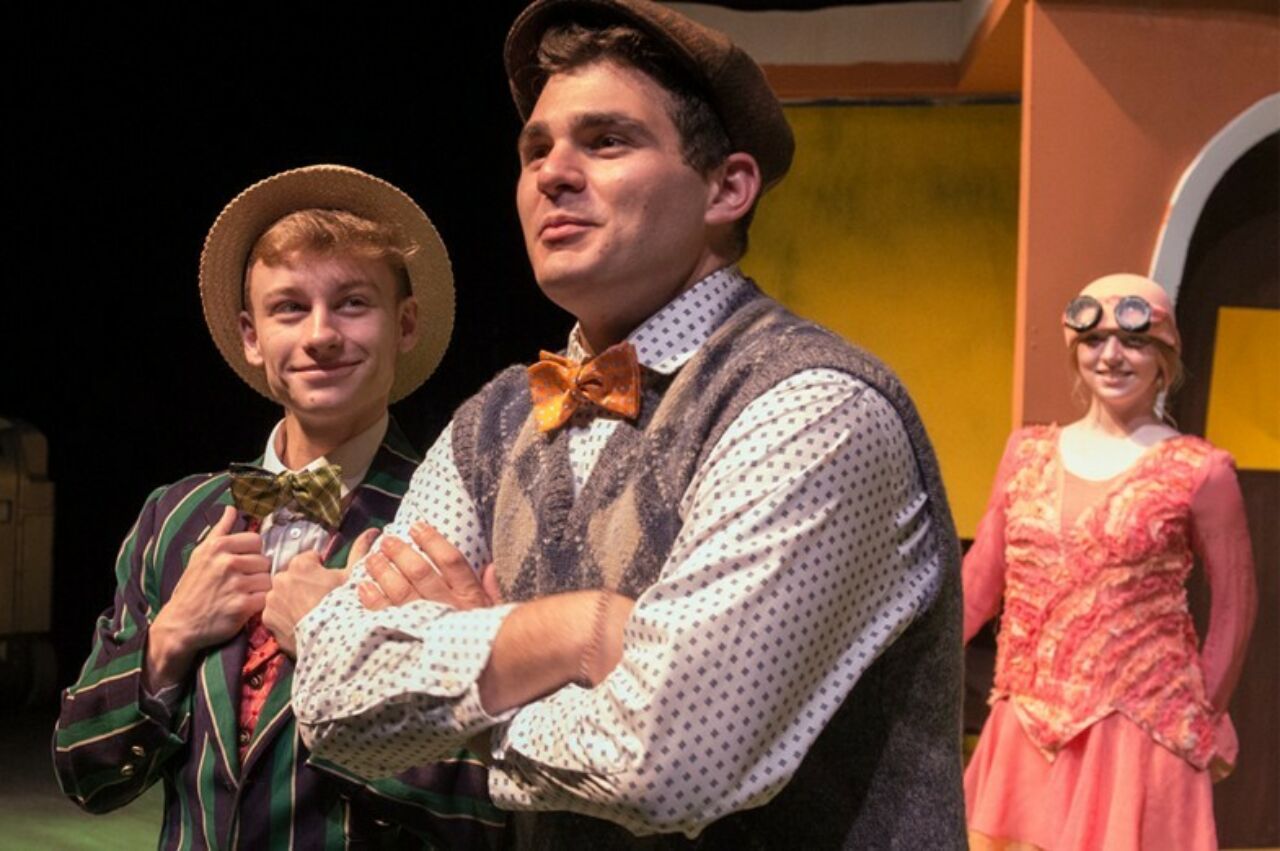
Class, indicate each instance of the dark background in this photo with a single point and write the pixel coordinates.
(131, 130)
(131, 134)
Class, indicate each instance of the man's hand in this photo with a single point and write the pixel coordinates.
(542, 646)
(225, 582)
(297, 589)
(400, 575)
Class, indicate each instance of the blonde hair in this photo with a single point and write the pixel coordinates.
(1172, 372)
(333, 232)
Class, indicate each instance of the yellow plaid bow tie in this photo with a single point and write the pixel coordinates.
(318, 493)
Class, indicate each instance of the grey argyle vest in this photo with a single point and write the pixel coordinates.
(886, 771)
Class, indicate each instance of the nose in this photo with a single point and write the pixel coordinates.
(1112, 351)
(560, 171)
(323, 336)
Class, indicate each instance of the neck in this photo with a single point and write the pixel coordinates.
(1118, 422)
(601, 332)
(305, 441)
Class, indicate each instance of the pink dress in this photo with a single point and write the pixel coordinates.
(1107, 722)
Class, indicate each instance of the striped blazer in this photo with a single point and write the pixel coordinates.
(112, 741)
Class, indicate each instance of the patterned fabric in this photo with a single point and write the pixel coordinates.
(1123, 564)
(113, 740)
(262, 669)
(559, 385)
(785, 546)
(318, 492)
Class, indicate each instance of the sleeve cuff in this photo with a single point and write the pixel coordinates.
(354, 660)
(163, 707)
(575, 729)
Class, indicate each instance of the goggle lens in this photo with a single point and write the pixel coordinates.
(1132, 314)
(1082, 313)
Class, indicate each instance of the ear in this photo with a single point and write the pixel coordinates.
(407, 320)
(734, 187)
(249, 337)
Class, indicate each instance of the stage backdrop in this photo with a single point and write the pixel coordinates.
(897, 227)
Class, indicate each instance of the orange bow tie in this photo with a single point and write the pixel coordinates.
(610, 380)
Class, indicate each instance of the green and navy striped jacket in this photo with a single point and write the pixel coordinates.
(112, 741)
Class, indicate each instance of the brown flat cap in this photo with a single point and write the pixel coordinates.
(731, 80)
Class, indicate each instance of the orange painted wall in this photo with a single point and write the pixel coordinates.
(1117, 101)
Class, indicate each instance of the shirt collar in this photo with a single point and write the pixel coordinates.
(669, 338)
(354, 457)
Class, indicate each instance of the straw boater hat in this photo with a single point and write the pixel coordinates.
(731, 80)
(332, 187)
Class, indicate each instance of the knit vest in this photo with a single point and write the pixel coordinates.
(886, 771)
(1095, 615)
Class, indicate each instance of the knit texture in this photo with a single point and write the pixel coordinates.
(886, 771)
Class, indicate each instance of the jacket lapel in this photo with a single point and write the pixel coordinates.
(218, 677)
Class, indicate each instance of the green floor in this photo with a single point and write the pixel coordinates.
(34, 816)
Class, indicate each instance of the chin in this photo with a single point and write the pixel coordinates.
(324, 411)
(565, 287)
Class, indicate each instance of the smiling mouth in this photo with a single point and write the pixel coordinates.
(325, 369)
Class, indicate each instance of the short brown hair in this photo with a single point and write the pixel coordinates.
(330, 232)
(704, 142)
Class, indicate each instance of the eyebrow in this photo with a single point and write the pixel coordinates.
(341, 288)
(587, 121)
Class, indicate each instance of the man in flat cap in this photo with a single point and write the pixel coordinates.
(729, 571)
(327, 290)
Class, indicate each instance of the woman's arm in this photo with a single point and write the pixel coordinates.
(983, 571)
(1220, 537)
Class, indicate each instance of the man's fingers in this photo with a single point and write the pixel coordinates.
(220, 536)
(420, 573)
(254, 582)
(250, 563)
(361, 545)
(240, 542)
(304, 560)
(390, 582)
(224, 524)
(371, 596)
(489, 579)
(454, 569)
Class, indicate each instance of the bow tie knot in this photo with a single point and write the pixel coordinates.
(318, 492)
(560, 385)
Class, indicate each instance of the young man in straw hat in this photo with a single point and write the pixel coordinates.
(329, 291)
(731, 575)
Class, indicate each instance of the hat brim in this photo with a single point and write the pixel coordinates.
(332, 187)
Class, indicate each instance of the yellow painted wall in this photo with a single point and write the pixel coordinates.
(1244, 393)
(897, 228)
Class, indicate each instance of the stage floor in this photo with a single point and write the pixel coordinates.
(34, 815)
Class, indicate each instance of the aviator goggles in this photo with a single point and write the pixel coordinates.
(1132, 313)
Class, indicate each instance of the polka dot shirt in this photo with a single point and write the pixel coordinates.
(805, 550)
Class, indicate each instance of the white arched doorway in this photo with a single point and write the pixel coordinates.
(1168, 261)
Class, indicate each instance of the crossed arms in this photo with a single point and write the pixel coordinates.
(805, 549)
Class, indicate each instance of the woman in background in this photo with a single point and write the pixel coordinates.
(1107, 723)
